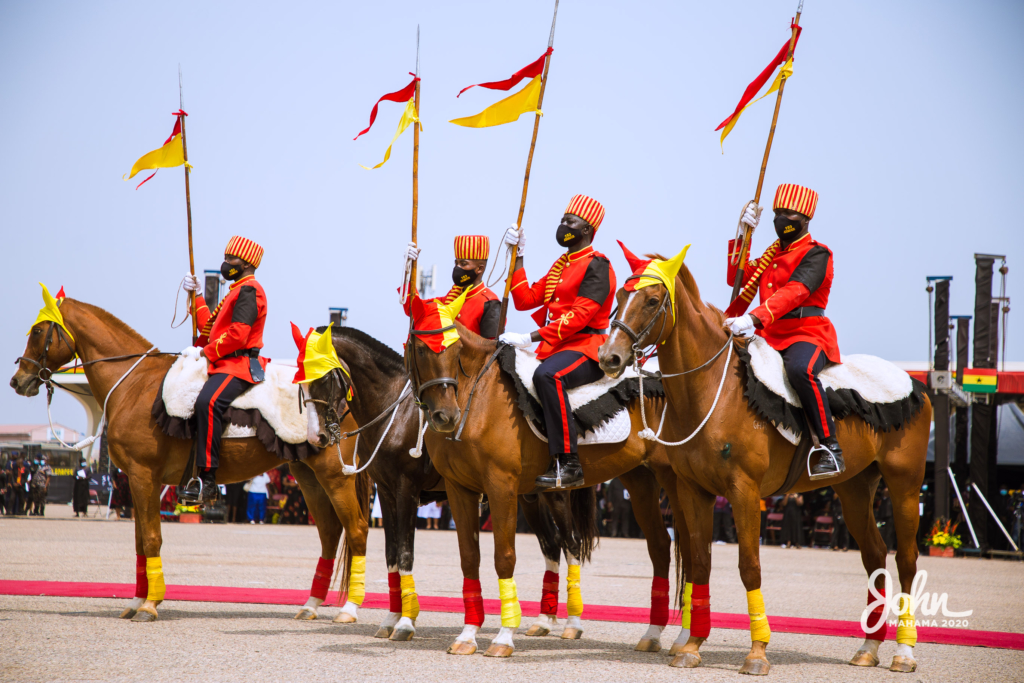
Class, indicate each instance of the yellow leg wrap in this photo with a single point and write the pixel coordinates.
(759, 629)
(155, 576)
(574, 599)
(906, 629)
(357, 580)
(687, 599)
(511, 614)
(410, 603)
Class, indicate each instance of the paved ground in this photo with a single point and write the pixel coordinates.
(80, 639)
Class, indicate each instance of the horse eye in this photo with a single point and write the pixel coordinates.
(651, 303)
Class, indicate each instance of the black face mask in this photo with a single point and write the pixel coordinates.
(230, 272)
(567, 237)
(787, 229)
(463, 277)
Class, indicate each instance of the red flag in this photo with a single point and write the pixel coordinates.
(403, 95)
(529, 71)
(758, 83)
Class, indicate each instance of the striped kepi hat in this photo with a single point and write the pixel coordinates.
(245, 249)
(474, 247)
(796, 198)
(588, 209)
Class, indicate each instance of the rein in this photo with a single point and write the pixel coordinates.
(472, 391)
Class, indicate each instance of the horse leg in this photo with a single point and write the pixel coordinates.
(644, 491)
(503, 519)
(407, 502)
(858, 496)
(145, 487)
(328, 526)
(540, 519)
(465, 506)
(141, 582)
(388, 515)
(561, 510)
(747, 514)
(698, 507)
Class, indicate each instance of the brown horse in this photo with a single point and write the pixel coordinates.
(737, 455)
(498, 455)
(151, 459)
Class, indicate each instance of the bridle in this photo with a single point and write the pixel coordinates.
(414, 373)
(638, 337)
(332, 421)
(42, 362)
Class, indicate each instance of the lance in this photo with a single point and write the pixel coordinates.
(415, 163)
(745, 248)
(188, 207)
(526, 178)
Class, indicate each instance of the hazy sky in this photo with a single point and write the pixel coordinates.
(904, 116)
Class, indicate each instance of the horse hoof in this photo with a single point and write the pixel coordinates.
(305, 614)
(538, 630)
(864, 658)
(145, 614)
(675, 649)
(755, 666)
(571, 633)
(344, 618)
(648, 645)
(128, 613)
(903, 665)
(458, 648)
(686, 660)
(402, 634)
(383, 632)
(499, 651)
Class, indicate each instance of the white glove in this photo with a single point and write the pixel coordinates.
(412, 253)
(516, 238)
(522, 340)
(742, 326)
(192, 352)
(190, 283)
(751, 215)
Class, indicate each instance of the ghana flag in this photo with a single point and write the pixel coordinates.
(980, 380)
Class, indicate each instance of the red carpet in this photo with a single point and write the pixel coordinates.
(634, 615)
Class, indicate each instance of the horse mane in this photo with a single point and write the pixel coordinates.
(692, 290)
(110, 319)
(386, 357)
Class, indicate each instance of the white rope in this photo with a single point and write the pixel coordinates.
(350, 470)
(420, 431)
(648, 433)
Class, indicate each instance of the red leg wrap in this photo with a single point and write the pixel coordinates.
(700, 611)
(474, 600)
(141, 582)
(875, 618)
(549, 594)
(394, 592)
(322, 578)
(659, 601)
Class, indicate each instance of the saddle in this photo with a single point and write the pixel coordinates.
(268, 411)
(600, 410)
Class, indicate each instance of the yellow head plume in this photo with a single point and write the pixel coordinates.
(666, 271)
(50, 311)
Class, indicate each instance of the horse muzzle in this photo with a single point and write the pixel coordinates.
(444, 421)
(25, 384)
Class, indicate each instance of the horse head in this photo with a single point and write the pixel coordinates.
(435, 381)
(324, 380)
(49, 347)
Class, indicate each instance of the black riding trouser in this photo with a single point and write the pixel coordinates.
(217, 394)
(803, 362)
(556, 375)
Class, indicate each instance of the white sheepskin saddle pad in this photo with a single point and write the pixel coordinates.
(275, 398)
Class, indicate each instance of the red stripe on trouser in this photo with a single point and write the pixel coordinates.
(474, 601)
(322, 578)
(394, 592)
(700, 611)
(561, 399)
(549, 594)
(141, 582)
(876, 617)
(208, 456)
(817, 394)
(659, 601)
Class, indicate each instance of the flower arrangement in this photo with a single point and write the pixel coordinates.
(943, 534)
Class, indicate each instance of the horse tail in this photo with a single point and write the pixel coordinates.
(583, 504)
(364, 487)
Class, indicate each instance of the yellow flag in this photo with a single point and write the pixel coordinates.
(506, 110)
(784, 72)
(168, 156)
(408, 116)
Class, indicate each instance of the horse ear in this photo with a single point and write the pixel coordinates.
(635, 263)
(325, 344)
(672, 266)
(417, 308)
(451, 311)
(300, 341)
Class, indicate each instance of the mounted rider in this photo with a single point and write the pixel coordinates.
(482, 309)
(793, 277)
(230, 339)
(575, 298)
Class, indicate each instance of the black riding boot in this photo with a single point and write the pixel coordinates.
(202, 490)
(568, 469)
(830, 464)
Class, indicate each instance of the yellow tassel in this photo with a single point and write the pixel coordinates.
(574, 599)
(906, 628)
(687, 599)
(511, 614)
(759, 629)
(357, 580)
(155, 576)
(410, 603)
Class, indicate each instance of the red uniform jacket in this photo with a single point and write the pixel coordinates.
(237, 325)
(576, 317)
(480, 313)
(798, 276)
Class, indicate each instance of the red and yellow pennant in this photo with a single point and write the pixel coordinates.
(409, 115)
(512, 107)
(170, 155)
(784, 59)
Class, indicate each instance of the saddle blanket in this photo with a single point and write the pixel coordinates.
(275, 398)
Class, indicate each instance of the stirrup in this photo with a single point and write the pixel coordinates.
(824, 475)
(184, 497)
(558, 473)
